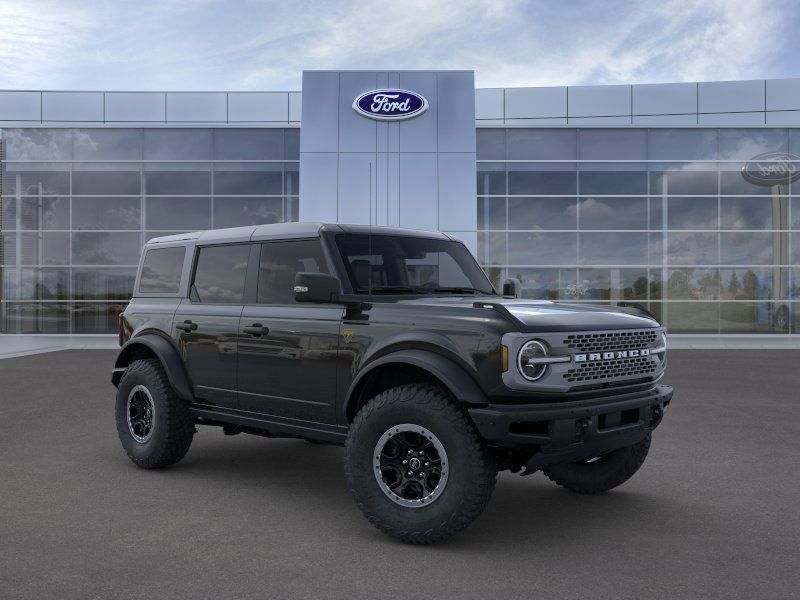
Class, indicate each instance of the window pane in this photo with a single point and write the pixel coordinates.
(161, 270)
(751, 248)
(178, 214)
(45, 248)
(39, 182)
(250, 181)
(178, 183)
(219, 277)
(754, 213)
(491, 179)
(692, 248)
(613, 249)
(691, 317)
(746, 317)
(96, 317)
(754, 283)
(525, 181)
(30, 317)
(236, 212)
(45, 212)
(291, 144)
(291, 178)
(542, 213)
(733, 182)
(491, 144)
(692, 213)
(106, 248)
(248, 144)
(106, 213)
(613, 284)
(671, 180)
(612, 213)
(177, 144)
(118, 183)
(36, 284)
(611, 182)
(102, 284)
(612, 144)
(492, 213)
(492, 248)
(546, 284)
(541, 144)
(682, 144)
(108, 144)
(38, 144)
(280, 262)
(542, 248)
(693, 284)
(746, 144)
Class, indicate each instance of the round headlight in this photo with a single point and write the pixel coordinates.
(532, 350)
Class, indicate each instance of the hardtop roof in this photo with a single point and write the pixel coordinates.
(278, 231)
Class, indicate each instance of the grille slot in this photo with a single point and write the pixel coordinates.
(617, 368)
(612, 340)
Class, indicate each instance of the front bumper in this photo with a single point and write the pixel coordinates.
(568, 431)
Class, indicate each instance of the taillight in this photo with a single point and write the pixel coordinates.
(120, 330)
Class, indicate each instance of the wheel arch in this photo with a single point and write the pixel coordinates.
(410, 366)
(151, 345)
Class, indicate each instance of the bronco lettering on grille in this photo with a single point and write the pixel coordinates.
(611, 355)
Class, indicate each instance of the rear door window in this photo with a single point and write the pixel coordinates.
(161, 270)
(220, 274)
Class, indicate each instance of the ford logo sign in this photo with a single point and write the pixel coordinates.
(772, 168)
(390, 105)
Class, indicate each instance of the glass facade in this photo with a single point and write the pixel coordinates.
(78, 204)
(660, 216)
(664, 217)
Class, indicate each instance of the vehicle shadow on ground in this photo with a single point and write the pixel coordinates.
(524, 511)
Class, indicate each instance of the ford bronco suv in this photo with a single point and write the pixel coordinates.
(394, 344)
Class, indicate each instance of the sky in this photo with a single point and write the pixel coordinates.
(265, 45)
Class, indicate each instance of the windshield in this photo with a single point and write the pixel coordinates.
(389, 264)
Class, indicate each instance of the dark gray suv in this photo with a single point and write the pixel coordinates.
(395, 344)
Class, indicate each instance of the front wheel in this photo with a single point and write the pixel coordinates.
(600, 473)
(416, 466)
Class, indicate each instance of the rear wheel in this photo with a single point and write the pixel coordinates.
(153, 424)
(600, 473)
(415, 465)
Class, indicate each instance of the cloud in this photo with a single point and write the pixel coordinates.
(215, 44)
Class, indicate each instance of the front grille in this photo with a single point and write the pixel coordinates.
(617, 368)
(612, 340)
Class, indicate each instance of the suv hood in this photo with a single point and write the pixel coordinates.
(532, 316)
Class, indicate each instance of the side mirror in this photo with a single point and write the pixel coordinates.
(512, 287)
(316, 287)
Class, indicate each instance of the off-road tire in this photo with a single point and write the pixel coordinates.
(472, 468)
(173, 425)
(606, 473)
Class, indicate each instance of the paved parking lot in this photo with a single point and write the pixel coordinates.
(712, 514)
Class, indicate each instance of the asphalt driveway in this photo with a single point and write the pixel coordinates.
(712, 514)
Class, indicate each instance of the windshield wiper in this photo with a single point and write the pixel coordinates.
(391, 289)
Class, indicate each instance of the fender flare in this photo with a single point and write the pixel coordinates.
(450, 373)
(170, 359)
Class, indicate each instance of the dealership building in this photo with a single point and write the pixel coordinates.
(678, 196)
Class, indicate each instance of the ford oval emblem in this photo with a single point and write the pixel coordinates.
(772, 168)
(390, 105)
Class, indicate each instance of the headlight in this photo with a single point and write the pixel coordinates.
(528, 357)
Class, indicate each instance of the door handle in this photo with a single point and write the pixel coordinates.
(187, 326)
(256, 329)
